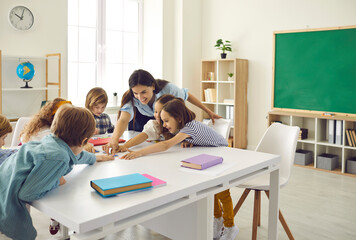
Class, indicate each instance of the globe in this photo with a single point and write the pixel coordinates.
(26, 71)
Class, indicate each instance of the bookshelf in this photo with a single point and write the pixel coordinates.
(318, 137)
(227, 97)
(15, 101)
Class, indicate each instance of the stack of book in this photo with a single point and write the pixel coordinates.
(210, 94)
(107, 187)
(230, 112)
(351, 137)
(303, 134)
(335, 134)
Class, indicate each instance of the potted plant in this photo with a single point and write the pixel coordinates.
(230, 75)
(223, 46)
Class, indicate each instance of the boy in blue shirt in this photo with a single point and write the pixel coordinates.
(39, 167)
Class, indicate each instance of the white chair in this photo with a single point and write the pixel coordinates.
(281, 140)
(113, 118)
(20, 124)
(221, 126)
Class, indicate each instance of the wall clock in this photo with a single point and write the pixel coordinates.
(21, 18)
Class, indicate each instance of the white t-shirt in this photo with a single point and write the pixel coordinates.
(40, 134)
(152, 130)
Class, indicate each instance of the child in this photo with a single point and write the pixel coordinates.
(39, 166)
(96, 102)
(152, 129)
(179, 120)
(5, 129)
(39, 125)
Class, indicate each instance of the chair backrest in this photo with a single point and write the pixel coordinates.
(281, 139)
(221, 126)
(113, 118)
(21, 122)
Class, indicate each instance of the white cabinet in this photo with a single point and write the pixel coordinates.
(318, 137)
(46, 84)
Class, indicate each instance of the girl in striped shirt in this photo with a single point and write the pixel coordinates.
(179, 121)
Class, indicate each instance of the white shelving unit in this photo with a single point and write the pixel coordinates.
(214, 79)
(317, 140)
(46, 84)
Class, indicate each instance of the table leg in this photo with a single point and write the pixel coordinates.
(63, 232)
(273, 205)
(191, 222)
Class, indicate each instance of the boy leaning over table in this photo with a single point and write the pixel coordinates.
(39, 166)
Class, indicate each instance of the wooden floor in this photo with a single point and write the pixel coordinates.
(315, 204)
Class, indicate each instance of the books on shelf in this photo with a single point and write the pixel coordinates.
(230, 112)
(97, 141)
(210, 94)
(201, 161)
(303, 134)
(114, 185)
(351, 137)
(335, 131)
(331, 131)
(338, 132)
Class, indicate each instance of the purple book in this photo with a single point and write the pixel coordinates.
(201, 161)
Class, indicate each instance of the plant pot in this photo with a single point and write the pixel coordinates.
(223, 55)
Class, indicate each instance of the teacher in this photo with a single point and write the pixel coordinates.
(137, 104)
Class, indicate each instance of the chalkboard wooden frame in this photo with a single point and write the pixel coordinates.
(314, 70)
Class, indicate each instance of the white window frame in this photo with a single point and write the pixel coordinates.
(101, 53)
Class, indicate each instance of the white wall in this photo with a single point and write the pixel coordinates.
(153, 37)
(47, 35)
(182, 45)
(250, 25)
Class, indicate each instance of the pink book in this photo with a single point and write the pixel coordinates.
(156, 182)
(201, 161)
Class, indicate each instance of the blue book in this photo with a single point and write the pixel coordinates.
(126, 183)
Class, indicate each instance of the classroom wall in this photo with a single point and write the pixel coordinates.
(182, 45)
(250, 25)
(47, 35)
(153, 33)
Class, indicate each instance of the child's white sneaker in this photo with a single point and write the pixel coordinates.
(218, 224)
(229, 233)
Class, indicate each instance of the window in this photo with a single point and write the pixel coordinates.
(104, 46)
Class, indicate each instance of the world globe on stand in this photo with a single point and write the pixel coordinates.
(26, 71)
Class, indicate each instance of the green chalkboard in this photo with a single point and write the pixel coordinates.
(316, 70)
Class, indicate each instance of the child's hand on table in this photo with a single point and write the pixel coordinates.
(104, 157)
(185, 144)
(62, 181)
(110, 148)
(89, 148)
(131, 155)
(121, 148)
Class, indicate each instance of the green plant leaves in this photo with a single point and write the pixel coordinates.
(223, 46)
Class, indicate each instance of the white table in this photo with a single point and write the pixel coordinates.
(183, 209)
